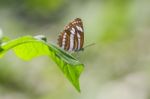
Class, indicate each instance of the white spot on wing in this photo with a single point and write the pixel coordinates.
(79, 28)
(71, 42)
(72, 31)
(63, 41)
(79, 40)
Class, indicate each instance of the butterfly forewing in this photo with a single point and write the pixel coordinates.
(72, 37)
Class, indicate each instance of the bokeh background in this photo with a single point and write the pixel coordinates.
(116, 67)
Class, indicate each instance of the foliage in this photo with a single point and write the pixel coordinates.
(28, 47)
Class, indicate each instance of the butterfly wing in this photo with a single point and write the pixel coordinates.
(72, 38)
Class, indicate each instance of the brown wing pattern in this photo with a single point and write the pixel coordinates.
(72, 38)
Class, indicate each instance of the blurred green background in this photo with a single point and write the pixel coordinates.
(116, 67)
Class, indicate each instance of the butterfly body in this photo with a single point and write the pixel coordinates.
(72, 37)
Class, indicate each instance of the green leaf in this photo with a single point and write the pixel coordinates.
(28, 47)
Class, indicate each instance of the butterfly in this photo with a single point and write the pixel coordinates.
(72, 37)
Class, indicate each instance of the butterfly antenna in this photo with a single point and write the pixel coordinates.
(89, 45)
